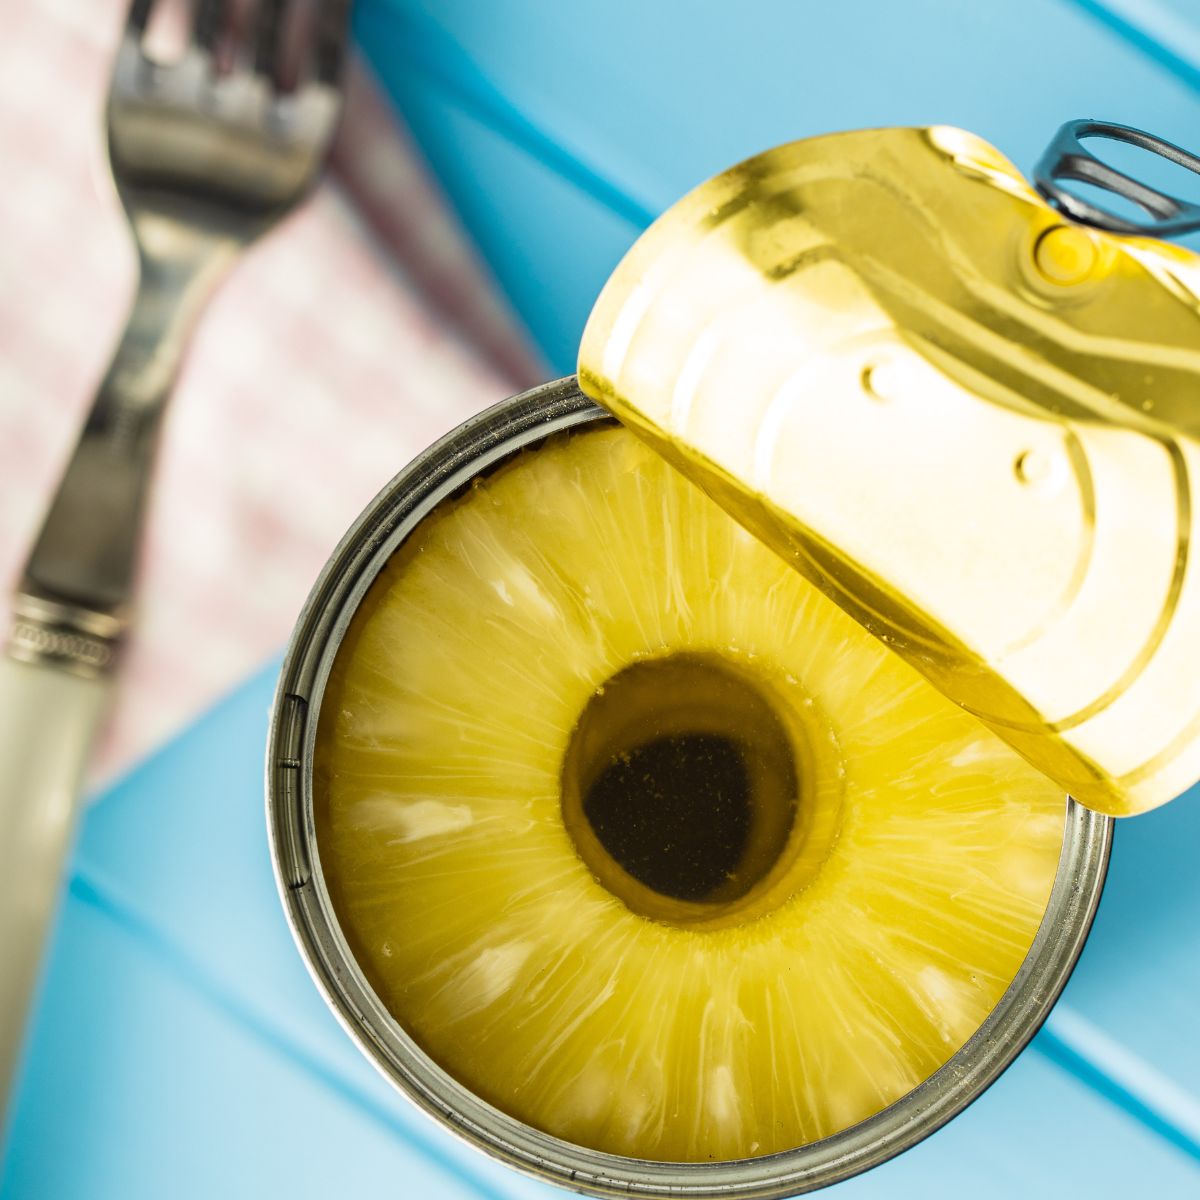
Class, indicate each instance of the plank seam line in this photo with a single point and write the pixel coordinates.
(1122, 1077)
(1169, 40)
(1072, 1043)
(167, 954)
(437, 56)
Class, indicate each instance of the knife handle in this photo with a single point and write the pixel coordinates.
(48, 718)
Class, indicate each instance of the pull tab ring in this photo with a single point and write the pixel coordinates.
(1066, 158)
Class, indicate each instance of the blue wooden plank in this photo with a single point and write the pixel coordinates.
(565, 235)
(1133, 1004)
(1166, 30)
(174, 859)
(657, 97)
(1039, 1134)
(632, 104)
(181, 844)
(147, 1089)
(142, 1089)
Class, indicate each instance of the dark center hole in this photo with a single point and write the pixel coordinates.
(675, 812)
(679, 785)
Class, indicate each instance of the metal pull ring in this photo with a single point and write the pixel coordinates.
(1067, 159)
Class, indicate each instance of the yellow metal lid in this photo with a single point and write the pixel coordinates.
(971, 421)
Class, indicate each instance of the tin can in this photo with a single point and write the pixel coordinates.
(474, 449)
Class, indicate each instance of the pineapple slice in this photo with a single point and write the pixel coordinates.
(561, 685)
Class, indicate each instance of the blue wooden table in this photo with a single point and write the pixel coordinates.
(180, 1049)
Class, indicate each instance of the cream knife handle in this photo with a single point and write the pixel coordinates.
(48, 717)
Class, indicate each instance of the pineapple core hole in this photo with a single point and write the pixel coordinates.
(680, 787)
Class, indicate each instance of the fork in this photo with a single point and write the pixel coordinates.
(204, 162)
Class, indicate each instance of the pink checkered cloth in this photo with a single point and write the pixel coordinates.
(342, 344)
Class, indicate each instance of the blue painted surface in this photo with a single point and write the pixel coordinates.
(630, 104)
(1165, 30)
(180, 1036)
(181, 1043)
(181, 1049)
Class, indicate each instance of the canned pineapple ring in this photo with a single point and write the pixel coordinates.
(303, 863)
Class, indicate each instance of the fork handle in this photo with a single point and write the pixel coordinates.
(48, 718)
(71, 607)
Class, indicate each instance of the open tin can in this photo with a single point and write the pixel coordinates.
(476, 448)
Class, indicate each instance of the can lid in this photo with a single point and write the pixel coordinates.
(966, 416)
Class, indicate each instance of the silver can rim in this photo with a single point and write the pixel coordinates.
(475, 447)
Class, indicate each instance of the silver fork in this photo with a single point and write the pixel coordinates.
(203, 164)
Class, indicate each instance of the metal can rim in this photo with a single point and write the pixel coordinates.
(449, 464)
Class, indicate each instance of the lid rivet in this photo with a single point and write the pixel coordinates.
(1065, 255)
